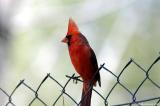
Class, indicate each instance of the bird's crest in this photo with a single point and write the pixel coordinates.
(72, 28)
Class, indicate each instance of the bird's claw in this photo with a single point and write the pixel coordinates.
(76, 79)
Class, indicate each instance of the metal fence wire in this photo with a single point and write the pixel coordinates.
(134, 100)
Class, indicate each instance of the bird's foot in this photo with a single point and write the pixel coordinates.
(76, 79)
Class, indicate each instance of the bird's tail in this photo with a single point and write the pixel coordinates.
(86, 94)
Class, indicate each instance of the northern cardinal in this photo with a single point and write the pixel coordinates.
(83, 59)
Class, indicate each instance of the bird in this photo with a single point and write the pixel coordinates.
(83, 59)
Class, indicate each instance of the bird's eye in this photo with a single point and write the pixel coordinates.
(68, 37)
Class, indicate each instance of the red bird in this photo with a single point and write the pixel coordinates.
(83, 59)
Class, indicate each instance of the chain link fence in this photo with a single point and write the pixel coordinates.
(134, 100)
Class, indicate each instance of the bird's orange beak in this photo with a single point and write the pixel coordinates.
(64, 40)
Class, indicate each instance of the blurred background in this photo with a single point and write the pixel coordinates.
(30, 47)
